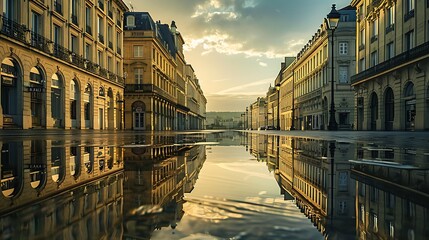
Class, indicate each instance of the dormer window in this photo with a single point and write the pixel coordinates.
(131, 22)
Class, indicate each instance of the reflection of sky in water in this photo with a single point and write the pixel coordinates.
(236, 197)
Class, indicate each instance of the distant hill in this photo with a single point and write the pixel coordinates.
(224, 120)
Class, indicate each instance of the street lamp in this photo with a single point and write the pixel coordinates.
(278, 105)
(332, 20)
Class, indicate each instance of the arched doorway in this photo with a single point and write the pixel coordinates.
(374, 111)
(38, 164)
(138, 109)
(57, 163)
(87, 106)
(11, 169)
(37, 91)
(389, 109)
(11, 92)
(74, 161)
(110, 109)
(57, 96)
(410, 106)
(74, 104)
(101, 94)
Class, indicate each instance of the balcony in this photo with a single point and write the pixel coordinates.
(74, 19)
(13, 29)
(396, 61)
(88, 30)
(390, 28)
(103, 72)
(110, 45)
(374, 38)
(408, 15)
(39, 42)
(77, 60)
(361, 47)
(101, 38)
(58, 8)
(61, 52)
(148, 88)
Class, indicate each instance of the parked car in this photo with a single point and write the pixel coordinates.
(269, 128)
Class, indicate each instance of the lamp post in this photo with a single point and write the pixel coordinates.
(278, 105)
(332, 20)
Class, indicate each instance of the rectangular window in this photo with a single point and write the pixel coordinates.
(88, 22)
(138, 75)
(73, 11)
(88, 52)
(118, 68)
(138, 51)
(343, 48)
(362, 38)
(100, 28)
(100, 58)
(409, 5)
(390, 16)
(36, 23)
(57, 35)
(390, 50)
(109, 63)
(409, 40)
(362, 64)
(374, 60)
(374, 30)
(74, 44)
(343, 74)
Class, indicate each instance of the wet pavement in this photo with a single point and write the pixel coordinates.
(86, 184)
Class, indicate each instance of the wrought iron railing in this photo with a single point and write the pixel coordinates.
(110, 14)
(61, 52)
(110, 45)
(39, 42)
(408, 15)
(13, 29)
(77, 60)
(398, 60)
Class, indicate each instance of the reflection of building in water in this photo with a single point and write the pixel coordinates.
(392, 193)
(34, 169)
(320, 185)
(156, 178)
(258, 146)
(86, 210)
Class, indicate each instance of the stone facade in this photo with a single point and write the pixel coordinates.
(60, 70)
(391, 84)
(162, 91)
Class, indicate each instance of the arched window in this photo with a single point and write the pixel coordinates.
(409, 90)
(101, 92)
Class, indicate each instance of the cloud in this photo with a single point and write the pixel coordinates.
(263, 64)
(241, 89)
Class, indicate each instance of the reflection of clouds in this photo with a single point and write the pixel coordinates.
(210, 211)
(245, 168)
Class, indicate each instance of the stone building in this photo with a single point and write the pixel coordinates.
(312, 76)
(391, 84)
(258, 114)
(162, 91)
(61, 64)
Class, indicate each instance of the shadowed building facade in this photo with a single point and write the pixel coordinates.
(61, 64)
(391, 84)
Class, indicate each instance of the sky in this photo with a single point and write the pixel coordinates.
(236, 46)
